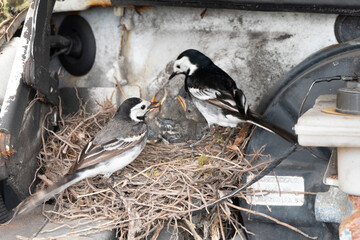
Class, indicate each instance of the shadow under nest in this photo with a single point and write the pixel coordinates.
(161, 188)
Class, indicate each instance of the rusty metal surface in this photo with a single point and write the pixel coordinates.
(6, 149)
(4, 142)
(102, 3)
(350, 228)
(356, 202)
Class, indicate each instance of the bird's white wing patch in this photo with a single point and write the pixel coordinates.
(243, 100)
(204, 94)
(123, 142)
(231, 102)
(116, 144)
(88, 146)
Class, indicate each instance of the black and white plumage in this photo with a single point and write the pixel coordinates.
(115, 146)
(216, 95)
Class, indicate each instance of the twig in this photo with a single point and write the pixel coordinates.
(192, 229)
(120, 88)
(220, 221)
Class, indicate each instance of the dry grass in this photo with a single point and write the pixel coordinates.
(162, 187)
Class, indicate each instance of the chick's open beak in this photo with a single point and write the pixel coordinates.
(156, 104)
(182, 102)
(172, 75)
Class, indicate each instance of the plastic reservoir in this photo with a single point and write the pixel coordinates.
(321, 126)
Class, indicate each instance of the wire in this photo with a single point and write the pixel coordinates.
(326, 79)
(311, 86)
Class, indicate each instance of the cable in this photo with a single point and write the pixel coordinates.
(326, 79)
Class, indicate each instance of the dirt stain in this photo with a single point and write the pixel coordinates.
(283, 37)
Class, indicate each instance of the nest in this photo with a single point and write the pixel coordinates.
(161, 189)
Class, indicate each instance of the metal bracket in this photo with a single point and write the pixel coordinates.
(21, 116)
(36, 72)
(331, 174)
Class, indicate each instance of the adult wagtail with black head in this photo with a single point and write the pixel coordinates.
(115, 146)
(216, 95)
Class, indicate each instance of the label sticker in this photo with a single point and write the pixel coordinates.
(276, 191)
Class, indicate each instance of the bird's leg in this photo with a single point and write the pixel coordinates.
(212, 130)
(204, 137)
(108, 181)
(118, 176)
(227, 142)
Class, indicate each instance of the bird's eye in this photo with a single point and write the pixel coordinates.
(143, 107)
(177, 66)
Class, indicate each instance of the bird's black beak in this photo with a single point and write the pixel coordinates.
(172, 75)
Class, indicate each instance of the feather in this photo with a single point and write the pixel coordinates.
(97, 153)
(36, 199)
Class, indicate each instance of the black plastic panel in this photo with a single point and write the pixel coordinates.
(281, 107)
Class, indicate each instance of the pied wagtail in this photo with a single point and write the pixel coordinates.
(115, 146)
(216, 95)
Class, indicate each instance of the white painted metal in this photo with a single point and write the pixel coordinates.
(7, 55)
(78, 5)
(256, 48)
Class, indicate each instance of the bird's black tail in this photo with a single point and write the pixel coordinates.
(257, 120)
(36, 199)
